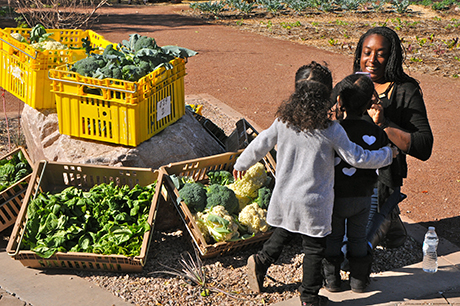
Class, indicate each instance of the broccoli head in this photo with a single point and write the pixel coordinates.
(221, 195)
(194, 195)
(221, 177)
(263, 198)
(144, 42)
(87, 66)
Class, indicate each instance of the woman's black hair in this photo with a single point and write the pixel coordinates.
(394, 71)
(308, 108)
(315, 72)
(355, 93)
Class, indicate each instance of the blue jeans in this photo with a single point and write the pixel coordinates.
(313, 248)
(355, 211)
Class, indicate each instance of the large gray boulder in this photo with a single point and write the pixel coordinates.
(183, 140)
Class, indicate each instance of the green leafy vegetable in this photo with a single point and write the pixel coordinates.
(13, 170)
(108, 219)
(132, 59)
(221, 177)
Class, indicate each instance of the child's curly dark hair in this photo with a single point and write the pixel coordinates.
(308, 108)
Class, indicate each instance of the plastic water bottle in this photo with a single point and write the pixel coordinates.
(430, 245)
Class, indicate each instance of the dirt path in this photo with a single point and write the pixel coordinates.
(253, 74)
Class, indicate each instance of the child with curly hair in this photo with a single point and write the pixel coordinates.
(303, 196)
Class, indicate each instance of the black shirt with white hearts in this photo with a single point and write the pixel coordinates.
(351, 181)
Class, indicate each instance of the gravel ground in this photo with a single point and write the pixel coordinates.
(226, 273)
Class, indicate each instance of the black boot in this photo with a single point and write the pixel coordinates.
(360, 271)
(331, 273)
(256, 273)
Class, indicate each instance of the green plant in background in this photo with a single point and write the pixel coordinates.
(242, 6)
(416, 59)
(451, 43)
(290, 25)
(400, 6)
(349, 5)
(341, 22)
(420, 41)
(443, 5)
(272, 6)
(425, 2)
(213, 7)
(326, 6)
(377, 5)
(332, 41)
(299, 5)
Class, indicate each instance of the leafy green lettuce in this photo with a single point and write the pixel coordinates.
(107, 219)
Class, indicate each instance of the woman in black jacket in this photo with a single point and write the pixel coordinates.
(399, 109)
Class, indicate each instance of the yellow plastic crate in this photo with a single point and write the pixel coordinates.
(56, 176)
(12, 197)
(116, 111)
(24, 70)
(197, 169)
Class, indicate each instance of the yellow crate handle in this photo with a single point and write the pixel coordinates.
(34, 57)
(93, 85)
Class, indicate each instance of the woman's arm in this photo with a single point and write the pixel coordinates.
(409, 130)
(398, 137)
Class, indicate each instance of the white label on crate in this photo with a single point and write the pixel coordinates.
(17, 73)
(163, 108)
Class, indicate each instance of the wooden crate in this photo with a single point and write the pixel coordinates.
(56, 176)
(12, 197)
(197, 169)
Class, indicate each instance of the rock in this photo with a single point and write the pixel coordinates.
(185, 139)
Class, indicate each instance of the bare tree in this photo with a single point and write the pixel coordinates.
(59, 14)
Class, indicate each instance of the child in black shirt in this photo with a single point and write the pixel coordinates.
(353, 187)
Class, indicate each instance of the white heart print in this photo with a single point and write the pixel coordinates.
(369, 139)
(349, 171)
(337, 161)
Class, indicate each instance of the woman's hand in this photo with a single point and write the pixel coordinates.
(376, 112)
(238, 174)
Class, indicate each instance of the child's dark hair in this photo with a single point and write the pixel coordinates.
(308, 108)
(355, 93)
(315, 72)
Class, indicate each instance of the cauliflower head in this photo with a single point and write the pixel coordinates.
(246, 188)
(49, 45)
(200, 219)
(220, 224)
(254, 218)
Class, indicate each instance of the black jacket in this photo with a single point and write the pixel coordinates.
(407, 111)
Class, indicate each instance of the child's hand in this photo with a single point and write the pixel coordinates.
(238, 174)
